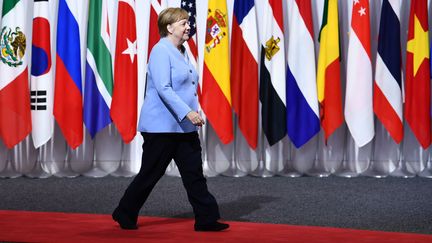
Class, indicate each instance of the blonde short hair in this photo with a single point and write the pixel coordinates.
(170, 16)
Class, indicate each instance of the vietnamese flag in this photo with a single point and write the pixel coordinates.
(417, 85)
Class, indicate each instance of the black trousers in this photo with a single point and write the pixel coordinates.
(158, 151)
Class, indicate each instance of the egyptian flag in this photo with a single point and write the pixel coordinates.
(41, 87)
(302, 103)
(68, 87)
(417, 86)
(328, 73)
(216, 90)
(244, 69)
(272, 92)
(388, 76)
(15, 118)
(358, 96)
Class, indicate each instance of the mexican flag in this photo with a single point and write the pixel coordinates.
(15, 119)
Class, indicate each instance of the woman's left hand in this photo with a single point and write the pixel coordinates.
(195, 118)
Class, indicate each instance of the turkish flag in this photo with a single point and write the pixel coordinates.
(124, 101)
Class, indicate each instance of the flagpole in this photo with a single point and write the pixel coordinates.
(208, 170)
(121, 170)
(380, 134)
(345, 169)
(290, 171)
(261, 170)
(401, 170)
(9, 171)
(67, 170)
(48, 152)
(427, 171)
(95, 171)
(234, 170)
(317, 169)
(38, 170)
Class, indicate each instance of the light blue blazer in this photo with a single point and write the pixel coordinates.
(171, 91)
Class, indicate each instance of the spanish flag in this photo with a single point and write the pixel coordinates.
(215, 98)
(417, 86)
(328, 74)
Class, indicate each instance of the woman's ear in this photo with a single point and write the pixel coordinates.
(169, 28)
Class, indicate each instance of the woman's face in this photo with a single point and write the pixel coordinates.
(180, 30)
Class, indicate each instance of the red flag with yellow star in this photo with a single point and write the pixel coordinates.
(417, 86)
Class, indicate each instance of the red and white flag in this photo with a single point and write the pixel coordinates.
(124, 101)
(358, 96)
(244, 69)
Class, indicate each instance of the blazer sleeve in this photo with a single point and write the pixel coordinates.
(160, 70)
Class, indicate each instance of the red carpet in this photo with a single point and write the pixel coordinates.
(25, 226)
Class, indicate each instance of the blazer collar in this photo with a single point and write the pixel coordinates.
(174, 49)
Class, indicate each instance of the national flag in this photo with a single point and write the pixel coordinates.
(191, 45)
(41, 86)
(15, 118)
(244, 69)
(302, 103)
(272, 93)
(124, 100)
(68, 87)
(417, 86)
(358, 95)
(328, 73)
(156, 7)
(216, 92)
(99, 76)
(388, 76)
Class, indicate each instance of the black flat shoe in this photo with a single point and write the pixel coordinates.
(216, 226)
(123, 220)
